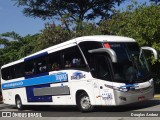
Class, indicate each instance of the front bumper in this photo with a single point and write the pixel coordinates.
(132, 96)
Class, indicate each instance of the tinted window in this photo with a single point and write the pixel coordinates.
(85, 46)
(36, 66)
(55, 61)
(18, 70)
(41, 65)
(30, 67)
(6, 73)
(100, 67)
(131, 67)
(12, 72)
(73, 58)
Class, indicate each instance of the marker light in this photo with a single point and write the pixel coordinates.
(106, 45)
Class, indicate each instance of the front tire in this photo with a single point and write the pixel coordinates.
(19, 104)
(84, 103)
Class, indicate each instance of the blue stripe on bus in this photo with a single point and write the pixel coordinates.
(129, 86)
(37, 75)
(54, 78)
(32, 98)
(36, 56)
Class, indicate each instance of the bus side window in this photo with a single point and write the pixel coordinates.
(73, 58)
(6, 73)
(54, 61)
(29, 68)
(90, 45)
(67, 64)
(41, 64)
(18, 70)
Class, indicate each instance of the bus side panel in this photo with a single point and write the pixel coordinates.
(40, 98)
(106, 93)
(80, 81)
(9, 95)
(82, 86)
(60, 99)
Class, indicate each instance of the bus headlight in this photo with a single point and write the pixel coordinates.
(123, 89)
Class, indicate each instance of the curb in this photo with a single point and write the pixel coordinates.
(157, 96)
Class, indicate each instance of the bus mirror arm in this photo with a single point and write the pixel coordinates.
(150, 49)
(111, 53)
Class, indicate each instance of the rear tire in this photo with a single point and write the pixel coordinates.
(19, 104)
(84, 103)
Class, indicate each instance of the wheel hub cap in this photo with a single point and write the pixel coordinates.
(85, 102)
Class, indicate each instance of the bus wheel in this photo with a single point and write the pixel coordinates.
(19, 104)
(84, 103)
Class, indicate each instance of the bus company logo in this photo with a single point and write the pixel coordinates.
(61, 77)
(21, 114)
(77, 76)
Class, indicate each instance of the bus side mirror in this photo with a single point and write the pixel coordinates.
(151, 49)
(111, 53)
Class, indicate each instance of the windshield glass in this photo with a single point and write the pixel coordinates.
(131, 66)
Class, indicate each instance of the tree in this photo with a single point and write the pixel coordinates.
(10, 42)
(88, 29)
(68, 10)
(14, 47)
(52, 35)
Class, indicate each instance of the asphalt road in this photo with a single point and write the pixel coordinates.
(116, 112)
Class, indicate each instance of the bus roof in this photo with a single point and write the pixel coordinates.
(96, 38)
(105, 38)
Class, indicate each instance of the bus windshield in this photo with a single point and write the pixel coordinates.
(131, 66)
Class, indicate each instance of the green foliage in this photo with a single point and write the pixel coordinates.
(29, 44)
(87, 29)
(52, 35)
(68, 10)
(12, 35)
(14, 47)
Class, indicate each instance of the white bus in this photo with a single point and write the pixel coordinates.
(86, 71)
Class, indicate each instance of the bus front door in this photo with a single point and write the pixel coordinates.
(103, 74)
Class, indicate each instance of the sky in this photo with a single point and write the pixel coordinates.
(12, 19)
